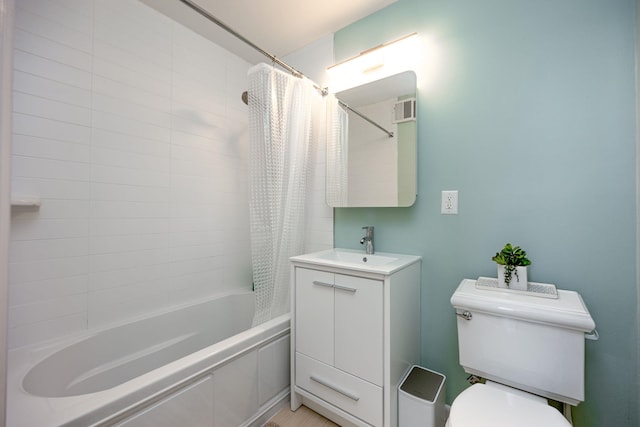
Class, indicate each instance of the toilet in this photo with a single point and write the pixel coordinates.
(529, 348)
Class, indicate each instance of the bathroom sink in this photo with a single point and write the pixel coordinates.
(380, 262)
(356, 257)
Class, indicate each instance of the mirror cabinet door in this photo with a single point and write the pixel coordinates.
(366, 167)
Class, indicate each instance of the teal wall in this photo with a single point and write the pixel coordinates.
(529, 112)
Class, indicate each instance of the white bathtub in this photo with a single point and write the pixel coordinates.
(199, 365)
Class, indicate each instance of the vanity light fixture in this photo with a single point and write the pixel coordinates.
(373, 64)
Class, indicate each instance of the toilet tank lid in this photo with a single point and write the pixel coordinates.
(568, 310)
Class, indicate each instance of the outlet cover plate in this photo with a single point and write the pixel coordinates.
(449, 202)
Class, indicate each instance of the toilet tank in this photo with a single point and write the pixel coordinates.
(528, 342)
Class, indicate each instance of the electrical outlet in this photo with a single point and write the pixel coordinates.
(449, 202)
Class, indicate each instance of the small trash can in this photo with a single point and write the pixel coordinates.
(421, 399)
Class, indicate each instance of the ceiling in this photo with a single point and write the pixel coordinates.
(279, 27)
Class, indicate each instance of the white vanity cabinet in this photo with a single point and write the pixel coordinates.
(355, 331)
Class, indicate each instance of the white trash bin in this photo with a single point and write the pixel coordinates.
(421, 399)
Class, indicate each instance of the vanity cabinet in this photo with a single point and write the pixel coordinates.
(355, 332)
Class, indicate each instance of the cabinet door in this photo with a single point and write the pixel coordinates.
(314, 314)
(358, 327)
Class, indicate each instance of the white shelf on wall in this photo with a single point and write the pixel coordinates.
(21, 200)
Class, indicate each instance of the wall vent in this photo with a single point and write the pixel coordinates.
(404, 111)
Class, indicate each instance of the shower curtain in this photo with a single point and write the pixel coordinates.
(337, 153)
(280, 147)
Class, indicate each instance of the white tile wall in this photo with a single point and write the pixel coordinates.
(130, 129)
(127, 126)
(367, 145)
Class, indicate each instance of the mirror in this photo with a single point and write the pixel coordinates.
(365, 166)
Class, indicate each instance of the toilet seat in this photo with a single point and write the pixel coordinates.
(495, 405)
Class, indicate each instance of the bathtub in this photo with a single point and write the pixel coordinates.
(198, 365)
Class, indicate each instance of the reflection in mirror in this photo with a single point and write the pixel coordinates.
(365, 166)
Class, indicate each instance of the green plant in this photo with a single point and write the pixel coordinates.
(511, 257)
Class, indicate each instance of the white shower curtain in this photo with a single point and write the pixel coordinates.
(337, 153)
(280, 113)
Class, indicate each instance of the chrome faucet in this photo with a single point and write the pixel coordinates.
(367, 240)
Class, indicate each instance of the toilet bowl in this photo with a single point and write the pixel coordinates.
(496, 405)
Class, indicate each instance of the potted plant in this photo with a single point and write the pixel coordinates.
(512, 267)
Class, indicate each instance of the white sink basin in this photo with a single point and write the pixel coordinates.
(380, 262)
(340, 255)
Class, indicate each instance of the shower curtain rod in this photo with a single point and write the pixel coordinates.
(273, 59)
(345, 105)
(234, 33)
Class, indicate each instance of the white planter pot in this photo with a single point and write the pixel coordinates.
(518, 281)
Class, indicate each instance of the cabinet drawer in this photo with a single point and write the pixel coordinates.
(349, 393)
